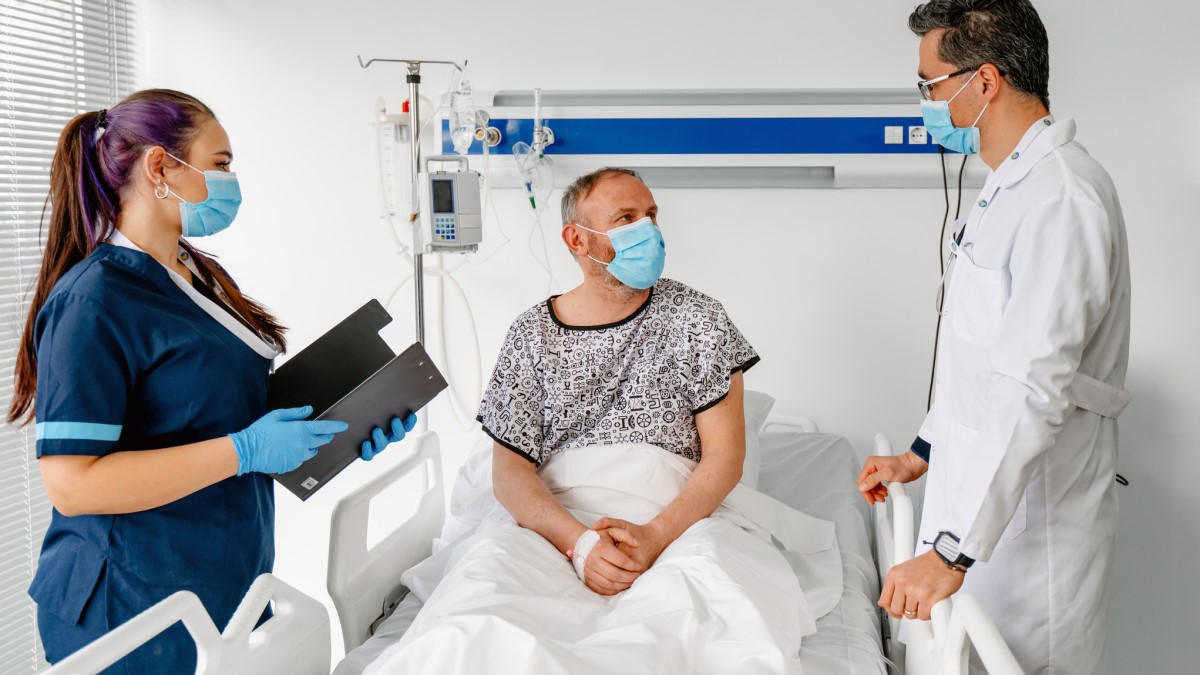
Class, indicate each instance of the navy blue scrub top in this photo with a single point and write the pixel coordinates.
(126, 361)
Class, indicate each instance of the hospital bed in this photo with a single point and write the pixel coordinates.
(806, 469)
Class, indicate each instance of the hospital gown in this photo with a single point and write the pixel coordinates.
(640, 380)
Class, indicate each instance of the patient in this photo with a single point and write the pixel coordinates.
(617, 415)
(626, 357)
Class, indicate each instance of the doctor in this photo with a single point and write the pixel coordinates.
(1021, 443)
(146, 369)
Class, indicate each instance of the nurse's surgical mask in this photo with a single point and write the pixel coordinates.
(936, 115)
(216, 212)
(639, 253)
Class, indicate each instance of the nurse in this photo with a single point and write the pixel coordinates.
(146, 369)
(1020, 445)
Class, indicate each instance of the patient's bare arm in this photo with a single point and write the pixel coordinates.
(518, 487)
(723, 449)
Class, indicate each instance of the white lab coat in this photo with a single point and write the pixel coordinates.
(1030, 380)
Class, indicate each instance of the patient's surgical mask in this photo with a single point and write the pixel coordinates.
(936, 115)
(639, 253)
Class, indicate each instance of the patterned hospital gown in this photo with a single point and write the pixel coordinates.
(640, 380)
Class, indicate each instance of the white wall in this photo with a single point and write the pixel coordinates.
(840, 301)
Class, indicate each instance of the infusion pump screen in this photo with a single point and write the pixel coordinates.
(443, 196)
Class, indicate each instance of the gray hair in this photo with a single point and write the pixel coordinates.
(1008, 34)
(582, 187)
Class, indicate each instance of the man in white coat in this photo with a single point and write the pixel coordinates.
(1021, 442)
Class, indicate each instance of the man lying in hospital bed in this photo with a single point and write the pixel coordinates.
(621, 540)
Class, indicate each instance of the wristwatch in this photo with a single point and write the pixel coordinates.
(946, 546)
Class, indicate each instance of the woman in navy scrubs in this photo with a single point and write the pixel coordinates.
(146, 370)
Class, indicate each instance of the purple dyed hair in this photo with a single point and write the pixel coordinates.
(89, 175)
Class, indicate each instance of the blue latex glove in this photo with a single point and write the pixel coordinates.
(282, 440)
(378, 440)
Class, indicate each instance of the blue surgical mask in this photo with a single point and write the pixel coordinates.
(936, 115)
(215, 213)
(639, 253)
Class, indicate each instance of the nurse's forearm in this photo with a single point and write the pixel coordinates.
(132, 481)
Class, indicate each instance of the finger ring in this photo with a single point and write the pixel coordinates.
(909, 614)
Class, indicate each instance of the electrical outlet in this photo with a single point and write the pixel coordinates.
(917, 136)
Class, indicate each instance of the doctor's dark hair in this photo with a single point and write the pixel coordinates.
(97, 156)
(1008, 34)
(582, 187)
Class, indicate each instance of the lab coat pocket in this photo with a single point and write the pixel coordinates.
(66, 580)
(978, 303)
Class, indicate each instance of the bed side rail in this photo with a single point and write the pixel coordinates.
(939, 646)
(894, 544)
(180, 606)
(360, 577)
(969, 624)
(295, 640)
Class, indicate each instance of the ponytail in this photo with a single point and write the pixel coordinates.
(79, 212)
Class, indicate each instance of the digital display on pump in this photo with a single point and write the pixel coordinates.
(443, 195)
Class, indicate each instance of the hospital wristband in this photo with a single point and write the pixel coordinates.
(583, 546)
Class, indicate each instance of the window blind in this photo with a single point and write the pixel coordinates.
(57, 58)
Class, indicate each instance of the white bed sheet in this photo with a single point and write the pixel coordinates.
(813, 473)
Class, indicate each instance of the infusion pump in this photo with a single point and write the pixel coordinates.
(451, 218)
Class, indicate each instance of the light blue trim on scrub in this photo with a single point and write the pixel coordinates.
(78, 431)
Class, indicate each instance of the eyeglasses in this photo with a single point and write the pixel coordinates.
(926, 86)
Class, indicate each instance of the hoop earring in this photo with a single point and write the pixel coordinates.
(161, 190)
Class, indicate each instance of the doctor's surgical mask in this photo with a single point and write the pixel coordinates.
(936, 115)
(639, 253)
(216, 212)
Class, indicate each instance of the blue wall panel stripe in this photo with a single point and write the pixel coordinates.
(708, 136)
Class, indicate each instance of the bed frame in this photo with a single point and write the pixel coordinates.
(295, 640)
(364, 582)
(939, 646)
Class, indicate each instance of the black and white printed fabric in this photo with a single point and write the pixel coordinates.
(640, 380)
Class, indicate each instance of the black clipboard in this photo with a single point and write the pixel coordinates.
(351, 375)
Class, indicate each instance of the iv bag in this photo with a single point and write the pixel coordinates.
(462, 115)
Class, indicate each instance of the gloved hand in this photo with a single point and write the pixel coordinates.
(282, 440)
(378, 440)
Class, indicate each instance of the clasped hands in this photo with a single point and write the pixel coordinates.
(624, 552)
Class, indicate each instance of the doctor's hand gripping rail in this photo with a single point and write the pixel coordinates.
(940, 646)
(295, 640)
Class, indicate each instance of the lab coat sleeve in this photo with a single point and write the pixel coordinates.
(1062, 268)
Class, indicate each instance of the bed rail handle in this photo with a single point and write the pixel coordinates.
(360, 576)
(969, 619)
(903, 535)
(297, 633)
(180, 606)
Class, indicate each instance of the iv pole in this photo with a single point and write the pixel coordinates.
(413, 78)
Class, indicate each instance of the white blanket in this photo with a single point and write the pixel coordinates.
(722, 598)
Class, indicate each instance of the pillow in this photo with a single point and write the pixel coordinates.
(758, 405)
